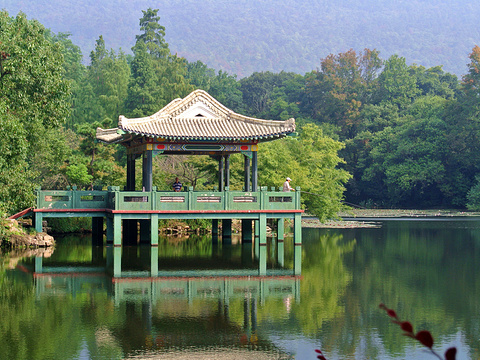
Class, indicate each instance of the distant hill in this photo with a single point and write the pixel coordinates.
(243, 36)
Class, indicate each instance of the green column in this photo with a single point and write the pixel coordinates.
(38, 222)
(297, 262)
(246, 231)
(145, 231)
(226, 231)
(38, 264)
(262, 269)
(153, 261)
(117, 230)
(109, 229)
(281, 254)
(257, 236)
(215, 231)
(281, 229)
(263, 229)
(298, 228)
(154, 230)
(117, 262)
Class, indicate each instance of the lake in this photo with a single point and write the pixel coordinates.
(208, 301)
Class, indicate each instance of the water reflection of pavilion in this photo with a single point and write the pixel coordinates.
(210, 310)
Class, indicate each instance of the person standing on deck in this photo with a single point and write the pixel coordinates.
(286, 185)
(177, 185)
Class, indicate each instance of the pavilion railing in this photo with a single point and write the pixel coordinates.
(190, 200)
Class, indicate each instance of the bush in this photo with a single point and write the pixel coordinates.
(70, 225)
(473, 196)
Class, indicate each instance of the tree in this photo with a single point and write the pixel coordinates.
(157, 76)
(102, 167)
(34, 98)
(312, 161)
(345, 83)
(409, 159)
(31, 75)
(396, 85)
(153, 34)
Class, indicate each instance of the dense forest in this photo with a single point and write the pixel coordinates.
(371, 131)
(244, 36)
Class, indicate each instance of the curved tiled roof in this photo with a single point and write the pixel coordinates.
(198, 117)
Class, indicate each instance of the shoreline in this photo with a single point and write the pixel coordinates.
(366, 217)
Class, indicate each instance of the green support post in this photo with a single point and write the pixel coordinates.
(257, 237)
(226, 231)
(117, 230)
(154, 230)
(297, 262)
(38, 222)
(263, 230)
(281, 254)
(154, 261)
(298, 229)
(262, 267)
(246, 231)
(109, 229)
(281, 229)
(38, 264)
(215, 231)
(117, 262)
(145, 232)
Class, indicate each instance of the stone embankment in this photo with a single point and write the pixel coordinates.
(13, 235)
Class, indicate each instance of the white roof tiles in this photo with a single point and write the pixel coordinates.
(197, 117)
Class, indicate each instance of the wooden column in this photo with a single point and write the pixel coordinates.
(147, 170)
(227, 170)
(246, 172)
(130, 226)
(254, 171)
(221, 180)
(145, 225)
(130, 172)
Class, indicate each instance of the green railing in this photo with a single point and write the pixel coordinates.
(154, 200)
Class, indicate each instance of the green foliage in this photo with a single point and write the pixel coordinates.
(396, 85)
(473, 196)
(409, 133)
(312, 162)
(70, 225)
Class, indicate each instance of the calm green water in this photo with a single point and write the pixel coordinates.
(208, 302)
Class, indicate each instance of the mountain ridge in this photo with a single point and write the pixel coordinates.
(244, 36)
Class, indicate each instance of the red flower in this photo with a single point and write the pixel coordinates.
(425, 338)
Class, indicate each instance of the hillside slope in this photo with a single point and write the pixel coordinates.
(243, 36)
